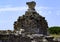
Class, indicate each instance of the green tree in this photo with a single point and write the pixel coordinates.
(54, 30)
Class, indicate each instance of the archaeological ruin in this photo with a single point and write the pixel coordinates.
(30, 27)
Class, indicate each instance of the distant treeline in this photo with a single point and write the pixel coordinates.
(54, 30)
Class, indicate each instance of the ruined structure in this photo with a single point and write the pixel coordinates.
(31, 22)
(31, 27)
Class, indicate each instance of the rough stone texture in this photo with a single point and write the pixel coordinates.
(49, 38)
(31, 22)
(30, 27)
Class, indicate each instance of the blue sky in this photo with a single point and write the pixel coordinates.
(10, 10)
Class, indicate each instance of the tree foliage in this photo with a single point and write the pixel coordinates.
(54, 30)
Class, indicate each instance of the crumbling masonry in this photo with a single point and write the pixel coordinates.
(31, 27)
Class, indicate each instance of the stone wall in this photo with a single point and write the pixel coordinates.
(27, 38)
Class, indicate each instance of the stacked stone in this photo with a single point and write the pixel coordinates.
(31, 22)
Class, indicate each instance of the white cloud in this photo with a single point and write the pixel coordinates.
(41, 9)
(10, 8)
(13, 9)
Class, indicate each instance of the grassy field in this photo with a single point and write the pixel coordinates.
(55, 36)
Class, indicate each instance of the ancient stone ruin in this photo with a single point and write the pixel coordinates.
(31, 21)
(31, 27)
